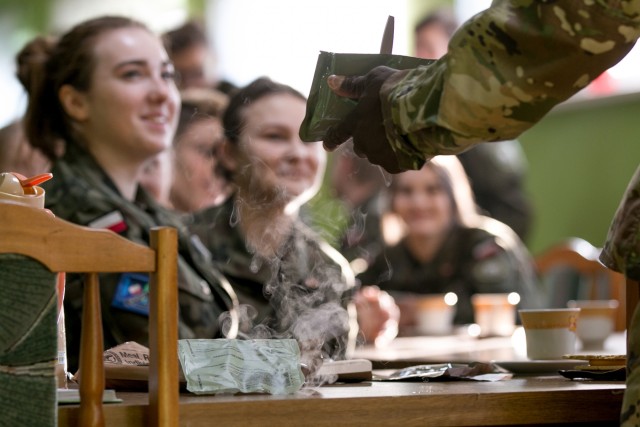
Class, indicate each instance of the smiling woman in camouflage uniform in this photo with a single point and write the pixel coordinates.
(290, 282)
(106, 90)
(447, 246)
(506, 68)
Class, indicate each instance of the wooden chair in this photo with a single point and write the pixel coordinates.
(65, 247)
(582, 257)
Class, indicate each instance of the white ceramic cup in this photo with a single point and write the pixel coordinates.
(434, 314)
(495, 314)
(550, 332)
(596, 322)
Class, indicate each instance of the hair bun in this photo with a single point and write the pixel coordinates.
(32, 59)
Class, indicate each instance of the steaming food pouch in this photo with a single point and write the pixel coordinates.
(326, 109)
(247, 366)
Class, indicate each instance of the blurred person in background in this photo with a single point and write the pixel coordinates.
(17, 155)
(497, 172)
(193, 57)
(432, 33)
(358, 185)
(447, 246)
(157, 176)
(186, 177)
(106, 89)
(198, 179)
(188, 48)
(290, 282)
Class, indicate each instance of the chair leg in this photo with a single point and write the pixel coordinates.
(163, 330)
(91, 356)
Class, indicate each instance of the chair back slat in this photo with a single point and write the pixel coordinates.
(33, 232)
(91, 361)
(582, 257)
(163, 386)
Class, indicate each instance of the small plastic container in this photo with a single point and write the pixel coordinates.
(12, 190)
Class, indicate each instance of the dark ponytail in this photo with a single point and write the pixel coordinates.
(43, 108)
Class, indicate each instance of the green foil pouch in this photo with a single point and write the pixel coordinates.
(213, 366)
(326, 109)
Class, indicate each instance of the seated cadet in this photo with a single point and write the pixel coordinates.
(290, 282)
(358, 185)
(106, 89)
(446, 245)
(196, 147)
(186, 177)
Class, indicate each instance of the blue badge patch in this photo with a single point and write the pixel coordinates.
(132, 293)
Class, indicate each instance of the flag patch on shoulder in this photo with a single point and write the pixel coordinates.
(113, 221)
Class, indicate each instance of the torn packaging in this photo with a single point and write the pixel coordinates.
(326, 109)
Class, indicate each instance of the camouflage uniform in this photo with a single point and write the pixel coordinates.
(472, 260)
(81, 192)
(501, 77)
(621, 253)
(302, 293)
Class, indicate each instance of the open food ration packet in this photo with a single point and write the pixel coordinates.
(213, 366)
(326, 109)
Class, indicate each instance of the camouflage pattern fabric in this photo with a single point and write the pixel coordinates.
(500, 76)
(621, 253)
(302, 293)
(472, 260)
(630, 416)
(80, 192)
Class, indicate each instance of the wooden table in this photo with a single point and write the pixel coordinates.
(522, 400)
(551, 400)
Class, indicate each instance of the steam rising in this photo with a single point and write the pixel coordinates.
(306, 292)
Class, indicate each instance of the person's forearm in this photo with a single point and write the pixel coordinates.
(506, 68)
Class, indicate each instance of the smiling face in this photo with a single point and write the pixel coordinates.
(272, 162)
(130, 109)
(421, 200)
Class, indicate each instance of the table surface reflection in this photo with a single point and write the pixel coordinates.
(520, 401)
(462, 348)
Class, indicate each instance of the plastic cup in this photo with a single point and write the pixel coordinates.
(495, 314)
(434, 315)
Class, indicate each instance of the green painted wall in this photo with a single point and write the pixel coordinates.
(581, 158)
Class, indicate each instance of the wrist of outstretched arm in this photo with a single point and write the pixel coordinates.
(413, 116)
(407, 156)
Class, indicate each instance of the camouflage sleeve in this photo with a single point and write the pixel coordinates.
(506, 68)
(621, 252)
